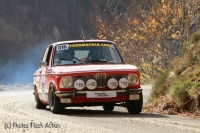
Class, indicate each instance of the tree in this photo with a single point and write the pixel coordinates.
(148, 33)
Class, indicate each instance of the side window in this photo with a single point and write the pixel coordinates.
(47, 55)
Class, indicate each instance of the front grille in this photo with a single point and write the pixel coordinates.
(101, 80)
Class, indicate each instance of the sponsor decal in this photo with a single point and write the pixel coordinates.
(89, 45)
(101, 94)
(92, 84)
(67, 46)
(62, 47)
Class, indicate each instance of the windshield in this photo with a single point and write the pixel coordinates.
(86, 53)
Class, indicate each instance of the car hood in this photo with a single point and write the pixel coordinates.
(94, 68)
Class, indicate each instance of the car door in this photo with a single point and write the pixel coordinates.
(43, 74)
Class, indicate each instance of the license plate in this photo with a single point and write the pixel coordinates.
(101, 94)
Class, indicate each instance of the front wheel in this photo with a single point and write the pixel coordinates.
(55, 105)
(135, 106)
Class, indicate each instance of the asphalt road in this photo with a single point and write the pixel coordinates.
(18, 114)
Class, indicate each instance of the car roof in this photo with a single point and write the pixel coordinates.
(81, 41)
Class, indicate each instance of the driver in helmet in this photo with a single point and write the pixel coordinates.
(96, 53)
(68, 54)
(66, 57)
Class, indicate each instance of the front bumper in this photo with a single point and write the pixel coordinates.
(126, 94)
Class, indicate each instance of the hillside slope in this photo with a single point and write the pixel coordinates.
(177, 90)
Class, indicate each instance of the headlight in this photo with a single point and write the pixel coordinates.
(66, 82)
(132, 79)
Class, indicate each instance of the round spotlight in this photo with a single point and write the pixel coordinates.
(112, 83)
(79, 84)
(91, 84)
(123, 83)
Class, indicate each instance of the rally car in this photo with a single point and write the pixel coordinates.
(86, 73)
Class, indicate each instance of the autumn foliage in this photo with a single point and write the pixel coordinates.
(149, 33)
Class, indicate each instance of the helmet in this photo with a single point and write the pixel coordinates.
(93, 54)
(71, 51)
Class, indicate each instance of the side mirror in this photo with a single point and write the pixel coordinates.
(43, 64)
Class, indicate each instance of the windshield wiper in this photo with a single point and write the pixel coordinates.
(80, 62)
(101, 61)
(64, 59)
(111, 62)
(97, 60)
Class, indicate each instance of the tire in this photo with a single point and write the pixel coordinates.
(135, 106)
(108, 107)
(55, 105)
(39, 104)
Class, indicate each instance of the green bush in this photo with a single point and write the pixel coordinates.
(193, 89)
(180, 91)
(160, 87)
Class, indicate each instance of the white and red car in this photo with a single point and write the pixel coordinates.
(84, 80)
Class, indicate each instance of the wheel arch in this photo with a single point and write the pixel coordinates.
(52, 85)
